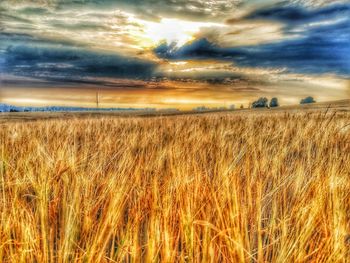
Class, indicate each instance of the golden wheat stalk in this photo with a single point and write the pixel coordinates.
(211, 188)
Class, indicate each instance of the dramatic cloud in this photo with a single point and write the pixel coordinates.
(298, 14)
(67, 63)
(320, 48)
(169, 52)
(151, 9)
(315, 3)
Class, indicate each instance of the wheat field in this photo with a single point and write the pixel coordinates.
(264, 187)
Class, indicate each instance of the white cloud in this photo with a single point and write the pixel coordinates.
(316, 3)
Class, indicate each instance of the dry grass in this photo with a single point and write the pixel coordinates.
(209, 188)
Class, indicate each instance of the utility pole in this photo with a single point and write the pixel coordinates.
(97, 99)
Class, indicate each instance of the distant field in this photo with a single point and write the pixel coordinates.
(341, 106)
(241, 186)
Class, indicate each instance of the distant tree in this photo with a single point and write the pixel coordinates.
(307, 100)
(13, 110)
(260, 103)
(274, 103)
(200, 108)
(242, 107)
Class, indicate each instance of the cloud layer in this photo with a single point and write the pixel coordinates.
(320, 43)
(212, 46)
(70, 63)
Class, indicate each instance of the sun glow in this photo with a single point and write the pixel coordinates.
(172, 31)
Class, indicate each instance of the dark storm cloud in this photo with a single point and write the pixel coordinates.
(320, 48)
(67, 63)
(294, 14)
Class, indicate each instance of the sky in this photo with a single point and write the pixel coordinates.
(172, 53)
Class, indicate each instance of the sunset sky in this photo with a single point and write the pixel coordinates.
(172, 53)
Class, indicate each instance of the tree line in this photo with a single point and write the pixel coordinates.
(263, 102)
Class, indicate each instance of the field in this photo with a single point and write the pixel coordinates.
(264, 186)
